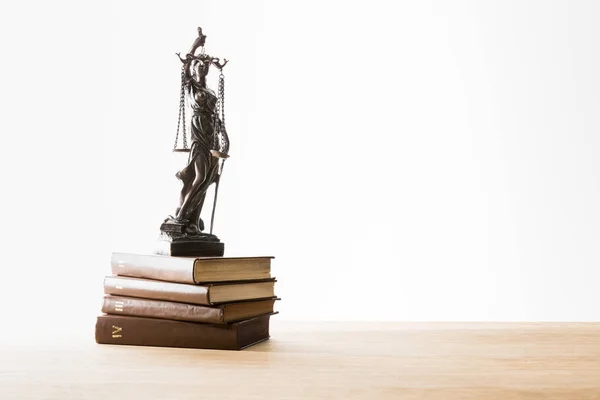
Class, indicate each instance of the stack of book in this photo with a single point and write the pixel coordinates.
(206, 303)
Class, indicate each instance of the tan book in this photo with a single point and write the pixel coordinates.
(193, 270)
(221, 314)
(206, 294)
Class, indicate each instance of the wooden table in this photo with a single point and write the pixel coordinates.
(325, 361)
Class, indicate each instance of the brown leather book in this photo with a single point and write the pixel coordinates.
(193, 270)
(208, 294)
(138, 331)
(222, 314)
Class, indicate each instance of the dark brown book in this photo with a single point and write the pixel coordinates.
(192, 270)
(138, 331)
(207, 294)
(221, 314)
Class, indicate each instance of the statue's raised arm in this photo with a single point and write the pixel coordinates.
(198, 43)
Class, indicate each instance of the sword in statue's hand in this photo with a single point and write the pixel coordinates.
(222, 157)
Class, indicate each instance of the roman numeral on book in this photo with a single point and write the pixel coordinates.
(119, 306)
(116, 331)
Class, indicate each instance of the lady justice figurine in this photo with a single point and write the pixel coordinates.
(182, 234)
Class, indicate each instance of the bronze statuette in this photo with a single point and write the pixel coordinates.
(183, 233)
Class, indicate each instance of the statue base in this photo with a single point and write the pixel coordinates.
(194, 246)
(173, 241)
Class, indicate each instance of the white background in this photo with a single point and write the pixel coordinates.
(415, 160)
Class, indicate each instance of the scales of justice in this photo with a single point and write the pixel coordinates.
(183, 233)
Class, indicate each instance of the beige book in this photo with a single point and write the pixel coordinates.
(191, 269)
(207, 294)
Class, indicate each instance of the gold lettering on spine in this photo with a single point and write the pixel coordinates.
(119, 306)
(116, 331)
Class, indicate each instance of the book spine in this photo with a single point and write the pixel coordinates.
(137, 331)
(162, 309)
(156, 290)
(170, 269)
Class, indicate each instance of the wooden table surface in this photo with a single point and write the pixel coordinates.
(319, 360)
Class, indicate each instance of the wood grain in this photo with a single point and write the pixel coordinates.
(325, 361)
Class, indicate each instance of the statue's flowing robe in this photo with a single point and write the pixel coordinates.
(202, 167)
